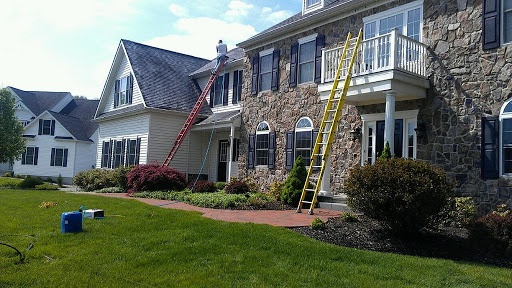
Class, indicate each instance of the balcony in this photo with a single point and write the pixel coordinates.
(389, 62)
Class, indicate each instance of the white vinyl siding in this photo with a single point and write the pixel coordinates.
(221, 108)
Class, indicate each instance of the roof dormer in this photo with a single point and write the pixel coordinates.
(311, 5)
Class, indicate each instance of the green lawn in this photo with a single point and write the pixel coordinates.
(146, 246)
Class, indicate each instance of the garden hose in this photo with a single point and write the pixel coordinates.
(22, 258)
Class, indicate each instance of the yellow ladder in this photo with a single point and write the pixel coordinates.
(330, 122)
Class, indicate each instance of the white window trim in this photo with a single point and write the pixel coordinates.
(397, 10)
(410, 116)
(307, 39)
(263, 54)
(307, 129)
(306, 9)
(502, 24)
(256, 141)
(503, 116)
(116, 95)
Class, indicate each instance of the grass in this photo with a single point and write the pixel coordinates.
(145, 246)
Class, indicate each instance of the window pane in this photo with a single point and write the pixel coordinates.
(507, 26)
(306, 155)
(307, 52)
(311, 2)
(369, 30)
(266, 63)
(263, 127)
(303, 139)
(507, 131)
(507, 4)
(306, 72)
(123, 84)
(219, 84)
(388, 24)
(265, 81)
(413, 24)
(262, 141)
(59, 157)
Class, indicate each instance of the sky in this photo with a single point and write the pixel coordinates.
(69, 45)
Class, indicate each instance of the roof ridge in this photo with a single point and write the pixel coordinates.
(164, 50)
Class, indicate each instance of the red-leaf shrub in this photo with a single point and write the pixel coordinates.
(202, 186)
(237, 187)
(494, 231)
(154, 177)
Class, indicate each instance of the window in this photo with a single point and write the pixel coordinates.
(236, 149)
(46, 127)
(18, 106)
(265, 72)
(217, 88)
(117, 153)
(507, 21)
(29, 157)
(311, 5)
(237, 86)
(304, 139)
(262, 140)
(59, 157)
(407, 19)
(506, 138)
(306, 62)
(24, 123)
(123, 91)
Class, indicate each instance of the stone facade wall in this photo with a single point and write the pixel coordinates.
(466, 84)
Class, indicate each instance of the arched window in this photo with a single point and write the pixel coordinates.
(506, 138)
(262, 143)
(304, 139)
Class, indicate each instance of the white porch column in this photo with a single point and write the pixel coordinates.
(325, 187)
(230, 160)
(389, 126)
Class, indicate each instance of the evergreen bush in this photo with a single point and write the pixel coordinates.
(295, 183)
(30, 182)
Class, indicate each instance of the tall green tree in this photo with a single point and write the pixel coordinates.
(12, 144)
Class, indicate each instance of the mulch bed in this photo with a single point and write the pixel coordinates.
(368, 234)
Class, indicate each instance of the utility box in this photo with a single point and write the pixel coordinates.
(94, 213)
(71, 222)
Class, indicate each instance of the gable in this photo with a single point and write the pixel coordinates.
(33, 128)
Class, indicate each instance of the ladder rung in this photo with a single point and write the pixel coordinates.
(314, 167)
(310, 190)
(307, 202)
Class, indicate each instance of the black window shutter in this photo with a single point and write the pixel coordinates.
(52, 131)
(294, 52)
(271, 150)
(40, 132)
(23, 156)
(314, 134)
(290, 137)
(226, 90)
(65, 162)
(240, 82)
(110, 147)
(103, 154)
(212, 94)
(130, 88)
(52, 160)
(138, 152)
(250, 156)
(234, 99)
(490, 148)
(36, 155)
(491, 24)
(275, 70)
(116, 93)
(255, 71)
(320, 42)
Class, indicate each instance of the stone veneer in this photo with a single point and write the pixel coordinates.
(466, 84)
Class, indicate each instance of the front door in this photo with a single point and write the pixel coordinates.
(223, 160)
(399, 137)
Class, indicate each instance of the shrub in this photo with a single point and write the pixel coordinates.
(259, 199)
(202, 186)
(163, 195)
(219, 186)
(215, 200)
(49, 180)
(111, 190)
(459, 212)
(237, 187)
(386, 153)
(59, 181)
(494, 231)
(95, 179)
(30, 182)
(318, 224)
(9, 182)
(8, 174)
(153, 177)
(295, 183)
(349, 217)
(253, 186)
(120, 176)
(405, 193)
(46, 186)
(276, 189)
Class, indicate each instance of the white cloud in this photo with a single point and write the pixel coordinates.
(178, 10)
(273, 17)
(199, 36)
(238, 9)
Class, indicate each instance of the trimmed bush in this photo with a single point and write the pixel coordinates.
(215, 200)
(9, 182)
(219, 186)
(276, 189)
(60, 180)
(253, 186)
(153, 177)
(295, 183)
(202, 186)
(97, 179)
(386, 152)
(8, 174)
(121, 176)
(46, 186)
(259, 199)
(237, 187)
(163, 195)
(318, 224)
(111, 190)
(405, 193)
(30, 182)
(494, 231)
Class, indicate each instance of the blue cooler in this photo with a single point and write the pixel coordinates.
(71, 222)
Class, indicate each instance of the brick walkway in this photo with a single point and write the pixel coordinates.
(286, 218)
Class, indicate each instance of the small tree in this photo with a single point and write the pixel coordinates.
(12, 145)
(295, 182)
(386, 153)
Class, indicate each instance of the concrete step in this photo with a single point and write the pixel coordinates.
(336, 202)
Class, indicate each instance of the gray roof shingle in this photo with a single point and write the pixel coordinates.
(227, 116)
(233, 54)
(163, 77)
(39, 101)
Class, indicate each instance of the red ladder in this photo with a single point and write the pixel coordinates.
(193, 115)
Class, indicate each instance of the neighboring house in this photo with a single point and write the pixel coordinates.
(432, 77)
(147, 97)
(61, 139)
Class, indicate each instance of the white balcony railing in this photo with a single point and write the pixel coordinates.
(385, 52)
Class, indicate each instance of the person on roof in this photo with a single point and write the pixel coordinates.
(222, 50)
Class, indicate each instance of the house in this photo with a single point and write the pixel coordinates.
(146, 99)
(60, 137)
(432, 78)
